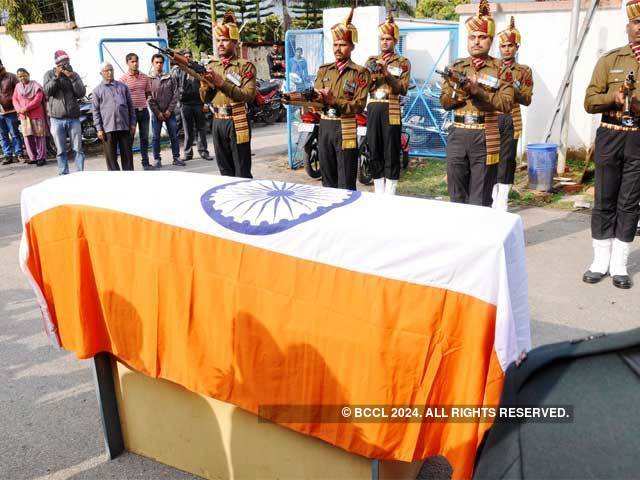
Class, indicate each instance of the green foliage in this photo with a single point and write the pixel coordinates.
(439, 9)
(188, 22)
(19, 13)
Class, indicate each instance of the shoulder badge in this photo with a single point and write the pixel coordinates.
(613, 52)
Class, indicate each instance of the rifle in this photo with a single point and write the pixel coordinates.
(305, 98)
(628, 118)
(457, 79)
(183, 63)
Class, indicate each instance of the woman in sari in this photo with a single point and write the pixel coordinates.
(29, 101)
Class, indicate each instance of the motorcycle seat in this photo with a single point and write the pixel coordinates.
(268, 87)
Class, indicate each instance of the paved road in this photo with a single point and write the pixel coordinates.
(48, 408)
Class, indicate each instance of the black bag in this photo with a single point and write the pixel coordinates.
(600, 377)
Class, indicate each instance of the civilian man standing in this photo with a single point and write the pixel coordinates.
(114, 118)
(9, 132)
(162, 102)
(192, 110)
(63, 88)
(140, 88)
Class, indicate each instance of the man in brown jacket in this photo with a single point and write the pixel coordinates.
(390, 75)
(473, 147)
(617, 158)
(342, 86)
(511, 122)
(235, 82)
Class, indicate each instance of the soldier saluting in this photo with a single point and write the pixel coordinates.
(390, 75)
(342, 87)
(235, 82)
(617, 156)
(511, 122)
(476, 93)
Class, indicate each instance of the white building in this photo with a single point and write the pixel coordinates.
(94, 20)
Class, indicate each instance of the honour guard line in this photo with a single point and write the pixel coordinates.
(612, 92)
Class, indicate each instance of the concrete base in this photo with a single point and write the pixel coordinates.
(216, 440)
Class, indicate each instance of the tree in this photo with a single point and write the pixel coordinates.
(439, 9)
(19, 13)
(188, 22)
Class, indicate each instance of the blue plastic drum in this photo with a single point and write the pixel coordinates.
(542, 159)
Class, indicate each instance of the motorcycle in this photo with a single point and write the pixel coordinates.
(365, 176)
(307, 143)
(267, 107)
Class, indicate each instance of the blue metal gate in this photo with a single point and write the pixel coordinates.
(427, 47)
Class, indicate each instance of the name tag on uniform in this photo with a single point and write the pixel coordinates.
(395, 71)
(234, 78)
(616, 70)
(488, 81)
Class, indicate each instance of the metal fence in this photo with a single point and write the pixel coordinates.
(428, 47)
(303, 56)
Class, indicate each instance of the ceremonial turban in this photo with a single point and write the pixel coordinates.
(345, 30)
(228, 28)
(483, 21)
(390, 27)
(510, 35)
(633, 9)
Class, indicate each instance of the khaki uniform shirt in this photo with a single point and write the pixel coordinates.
(489, 100)
(349, 88)
(523, 84)
(239, 83)
(397, 82)
(608, 76)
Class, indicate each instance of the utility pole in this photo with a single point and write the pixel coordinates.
(566, 118)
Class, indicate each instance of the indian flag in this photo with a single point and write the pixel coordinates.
(258, 292)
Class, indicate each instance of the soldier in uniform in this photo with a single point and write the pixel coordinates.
(235, 86)
(473, 147)
(511, 122)
(342, 87)
(389, 79)
(617, 157)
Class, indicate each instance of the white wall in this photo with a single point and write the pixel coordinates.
(544, 47)
(112, 12)
(366, 20)
(82, 46)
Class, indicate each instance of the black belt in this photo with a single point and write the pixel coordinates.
(469, 119)
(635, 123)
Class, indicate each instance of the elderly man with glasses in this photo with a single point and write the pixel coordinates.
(115, 119)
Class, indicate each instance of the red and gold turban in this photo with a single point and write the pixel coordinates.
(228, 28)
(633, 9)
(346, 30)
(483, 21)
(390, 27)
(511, 34)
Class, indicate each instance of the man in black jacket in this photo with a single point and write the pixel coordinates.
(63, 88)
(193, 112)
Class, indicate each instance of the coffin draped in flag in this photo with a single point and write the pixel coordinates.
(260, 292)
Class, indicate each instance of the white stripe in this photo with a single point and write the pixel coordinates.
(472, 250)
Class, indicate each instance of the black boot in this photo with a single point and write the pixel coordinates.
(622, 281)
(592, 277)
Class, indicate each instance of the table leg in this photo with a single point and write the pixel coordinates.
(105, 390)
